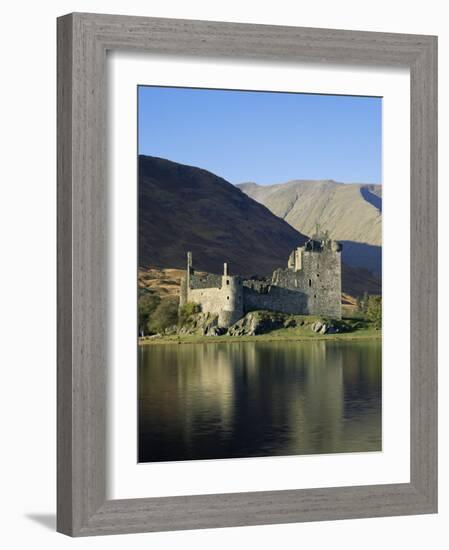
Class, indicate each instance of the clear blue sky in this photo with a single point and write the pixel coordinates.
(266, 137)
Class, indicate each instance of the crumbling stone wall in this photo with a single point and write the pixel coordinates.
(197, 281)
(275, 298)
(205, 280)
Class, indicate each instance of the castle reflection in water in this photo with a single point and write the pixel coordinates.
(251, 399)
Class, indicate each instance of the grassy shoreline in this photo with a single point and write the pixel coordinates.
(282, 335)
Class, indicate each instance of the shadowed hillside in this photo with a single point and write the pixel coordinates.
(373, 195)
(356, 281)
(365, 256)
(351, 213)
(185, 208)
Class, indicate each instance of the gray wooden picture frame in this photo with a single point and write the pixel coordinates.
(83, 40)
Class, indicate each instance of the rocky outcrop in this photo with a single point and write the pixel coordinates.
(327, 326)
(204, 324)
(257, 322)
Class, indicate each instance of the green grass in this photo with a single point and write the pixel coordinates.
(302, 333)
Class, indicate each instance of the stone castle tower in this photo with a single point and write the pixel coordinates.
(217, 294)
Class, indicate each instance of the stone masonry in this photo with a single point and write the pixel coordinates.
(309, 285)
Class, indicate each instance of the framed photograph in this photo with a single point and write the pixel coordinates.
(247, 274)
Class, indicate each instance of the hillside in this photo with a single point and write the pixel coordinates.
(185, 208)
(352, 213)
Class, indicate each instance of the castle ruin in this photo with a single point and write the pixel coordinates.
(309, 285)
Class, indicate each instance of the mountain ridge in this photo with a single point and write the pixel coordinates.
(184, 207)
(351, 213)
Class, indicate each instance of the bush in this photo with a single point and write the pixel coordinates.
(374, 310)
(164, 316)
(186, 311)
(147, 304)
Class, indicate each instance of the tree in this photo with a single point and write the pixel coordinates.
(374, 310)
(148, 303)
(186, 311)
(164, 316)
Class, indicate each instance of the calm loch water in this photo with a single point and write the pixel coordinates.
(208, 401)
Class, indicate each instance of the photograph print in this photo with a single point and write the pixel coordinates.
(259, 274)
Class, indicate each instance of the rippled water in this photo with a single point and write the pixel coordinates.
(199, 401)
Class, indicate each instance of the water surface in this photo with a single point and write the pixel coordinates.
(209, 401)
